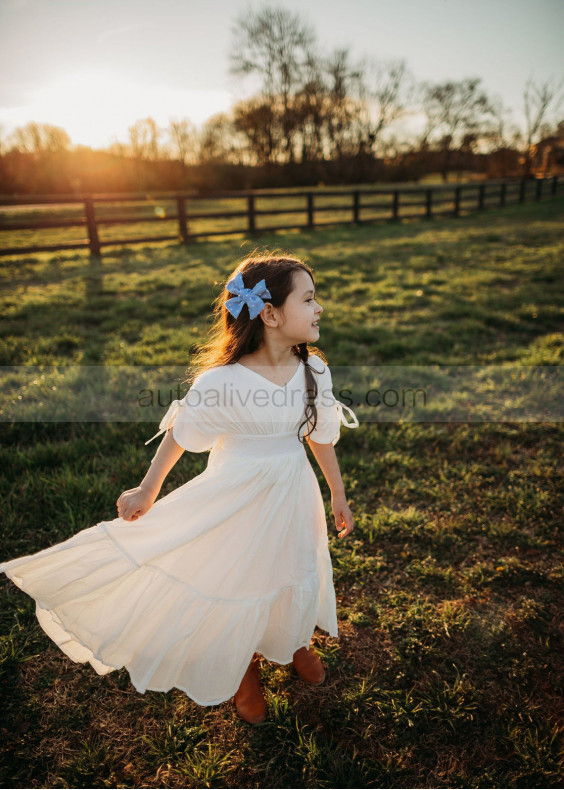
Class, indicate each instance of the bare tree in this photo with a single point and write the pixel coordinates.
(253, 119)
(183, 139)
(395, 149)
(55, 138)
(455, 110)
(144, 139)
(38, 138)
(344, 111)
(384, 89)
(497, 132)
(310, 109)
(221, 142)
(27, 139)
(432, 112)
(539, 99)
(273, 43)
(500, 138)
(117, 148)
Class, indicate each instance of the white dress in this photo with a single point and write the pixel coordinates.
(233, 562)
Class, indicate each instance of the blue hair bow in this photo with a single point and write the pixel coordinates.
(250, 297)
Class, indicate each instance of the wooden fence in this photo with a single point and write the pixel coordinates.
(383, 204)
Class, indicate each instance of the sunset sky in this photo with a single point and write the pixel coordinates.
(94, 67)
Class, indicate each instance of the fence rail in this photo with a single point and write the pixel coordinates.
(394, 204)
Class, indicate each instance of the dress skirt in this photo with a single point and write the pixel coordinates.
(233, 562)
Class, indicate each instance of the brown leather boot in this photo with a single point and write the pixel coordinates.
(309, 666)
(249, 700)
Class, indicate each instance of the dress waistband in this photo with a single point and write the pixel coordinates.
(258, 445)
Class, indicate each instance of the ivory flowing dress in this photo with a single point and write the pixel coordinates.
(233, 562)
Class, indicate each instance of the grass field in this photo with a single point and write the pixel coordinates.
(449, 667)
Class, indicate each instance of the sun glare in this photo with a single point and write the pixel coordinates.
(96, 107)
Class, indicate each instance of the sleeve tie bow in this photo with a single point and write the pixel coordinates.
(342, 417)
(167, 420)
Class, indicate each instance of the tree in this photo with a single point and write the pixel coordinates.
(310, 109)
(343, 109)
(500, 138)
(253, 118)
(183, 140)
(40, 138)
(220, 141)
(274, 44)
(538, 98)
(432, 112)
(117, 148)
(498, 132)
(144, 139)
(455, 109)
(384, 90)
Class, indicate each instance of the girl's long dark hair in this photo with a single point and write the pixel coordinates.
(231, 338)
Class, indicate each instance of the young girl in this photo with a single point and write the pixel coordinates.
(191, 590)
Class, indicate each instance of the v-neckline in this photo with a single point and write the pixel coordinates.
(279, 386)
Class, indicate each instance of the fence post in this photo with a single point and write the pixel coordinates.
(182, 223)
(522, 188)
(90, 212)
(457, 201)
(356, 207)
(554, 185)
(538, 191)
(481, 196)
(502, 194)
(429, 204)
(395, 205)
(310, 221)
(251, 210)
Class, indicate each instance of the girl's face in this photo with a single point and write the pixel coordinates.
(301, 311)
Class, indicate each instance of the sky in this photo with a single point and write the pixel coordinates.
(96, 66)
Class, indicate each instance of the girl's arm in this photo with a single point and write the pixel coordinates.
(165, 458)
(132, 504)
(327, 459)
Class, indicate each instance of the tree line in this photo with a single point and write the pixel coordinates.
(313, 117)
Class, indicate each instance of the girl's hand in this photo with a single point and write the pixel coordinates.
(132, 504)
(343, 516)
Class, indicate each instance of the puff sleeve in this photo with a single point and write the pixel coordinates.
(329, 410)
(195, 419)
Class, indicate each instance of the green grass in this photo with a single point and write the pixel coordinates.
(448, 671)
